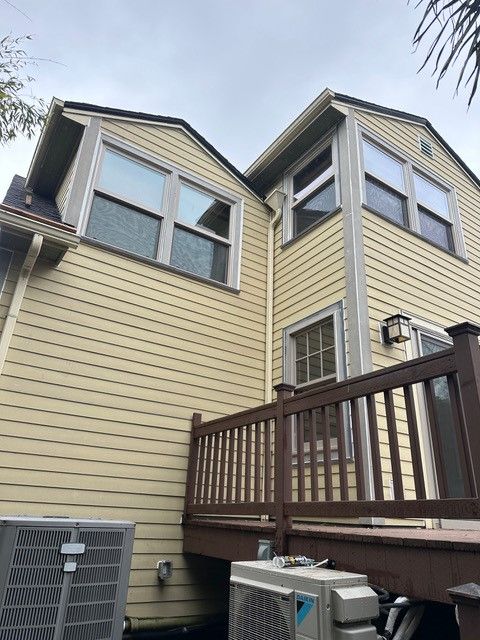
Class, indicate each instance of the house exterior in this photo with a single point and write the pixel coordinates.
(144, 278)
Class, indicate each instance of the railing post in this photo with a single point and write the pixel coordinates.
(283, 463)
(192, 465)
(467, 358)
(467, 599)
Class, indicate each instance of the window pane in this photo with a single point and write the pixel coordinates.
(132, 180)
(315, 366)
(304, 181)
(123, 227)
(328, 334)
(328, 358)
(301, 371)
(436, 230)
(301, 345)
(383, 166)
(386, 201)
(200, 209)
(314, 340)
(431, 196)
(199, 255)
(314, 208)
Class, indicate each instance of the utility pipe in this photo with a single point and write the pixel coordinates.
(18, 295)
(275, 202)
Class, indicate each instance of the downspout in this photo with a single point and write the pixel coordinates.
(18, 295)
(275, 202)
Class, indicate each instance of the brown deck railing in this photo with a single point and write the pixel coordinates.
(281, 460)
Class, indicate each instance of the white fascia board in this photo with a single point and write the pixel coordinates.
(52, 234)
(292, 131)
(55, 105)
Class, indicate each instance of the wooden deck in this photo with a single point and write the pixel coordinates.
(242, 467)
(422, 563)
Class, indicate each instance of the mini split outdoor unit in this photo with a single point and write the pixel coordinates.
(63, 579)
(299, 603)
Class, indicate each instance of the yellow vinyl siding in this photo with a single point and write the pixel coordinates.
(404, 272)
(109, 359)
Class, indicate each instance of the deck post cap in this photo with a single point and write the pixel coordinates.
(466, 594)
(463, 327)
(284, 386)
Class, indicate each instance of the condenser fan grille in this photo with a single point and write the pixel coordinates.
(32, 595)
(260, 614)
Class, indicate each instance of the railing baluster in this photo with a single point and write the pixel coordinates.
(413, 434)
(208, 468)
(258, 463)
(248, 464)
(375, 447)
(215, 456)
(461, 436)
(268, 462)
(231, 462)
(223, 462)
(192, 466)
(393, 445)
(342, 452)
(436, 443)
(327, 452)
(357, 447)
(239, 478)
(201, 471)
(301, 456)
(313, 456)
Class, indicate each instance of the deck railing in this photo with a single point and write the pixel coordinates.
(294, 458)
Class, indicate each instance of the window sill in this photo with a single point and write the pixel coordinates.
(314, 226)
(159, 265)
(415, 234)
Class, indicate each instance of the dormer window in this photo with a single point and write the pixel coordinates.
(160, 212)
(313, 190)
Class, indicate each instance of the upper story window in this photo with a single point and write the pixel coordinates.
(313, 190)
(162, 213)
(408, 195)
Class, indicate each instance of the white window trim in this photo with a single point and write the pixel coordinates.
(174, 175)
(411, 166)
(4, 274)
(330, 138)
(335, 310)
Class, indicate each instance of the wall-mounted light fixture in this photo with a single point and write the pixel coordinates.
(396, 329)
(275, 199)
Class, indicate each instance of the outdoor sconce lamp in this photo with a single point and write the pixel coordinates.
(396, 329)
(275, 199)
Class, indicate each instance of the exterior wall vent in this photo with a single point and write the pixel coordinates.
(63, 579)
(425, 146)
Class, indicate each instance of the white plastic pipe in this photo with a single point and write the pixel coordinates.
(409, 623)
(393, 615)
(18, 295)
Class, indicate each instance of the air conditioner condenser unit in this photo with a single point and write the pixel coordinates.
(299, 603)
(63, 579)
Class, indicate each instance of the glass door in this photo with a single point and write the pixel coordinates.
(426, 345)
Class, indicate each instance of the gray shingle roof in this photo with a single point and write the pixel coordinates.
(15, 197)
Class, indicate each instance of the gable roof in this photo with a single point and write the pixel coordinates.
(168, 120)
(327, 107)
(409, 117)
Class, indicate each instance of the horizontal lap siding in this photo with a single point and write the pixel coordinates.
(309, 276)
(405, 272)
(109, 360)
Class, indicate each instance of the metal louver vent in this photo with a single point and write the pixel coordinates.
(260, 614)
(33, 590)
(91, 603)
(426, 147)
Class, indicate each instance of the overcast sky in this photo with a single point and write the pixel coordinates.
(238, 71)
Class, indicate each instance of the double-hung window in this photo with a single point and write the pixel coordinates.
(400, 190)
(160, 212)
(313, 189)
(315, 356)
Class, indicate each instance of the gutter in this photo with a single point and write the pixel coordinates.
(27, 223)
(18, 295)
